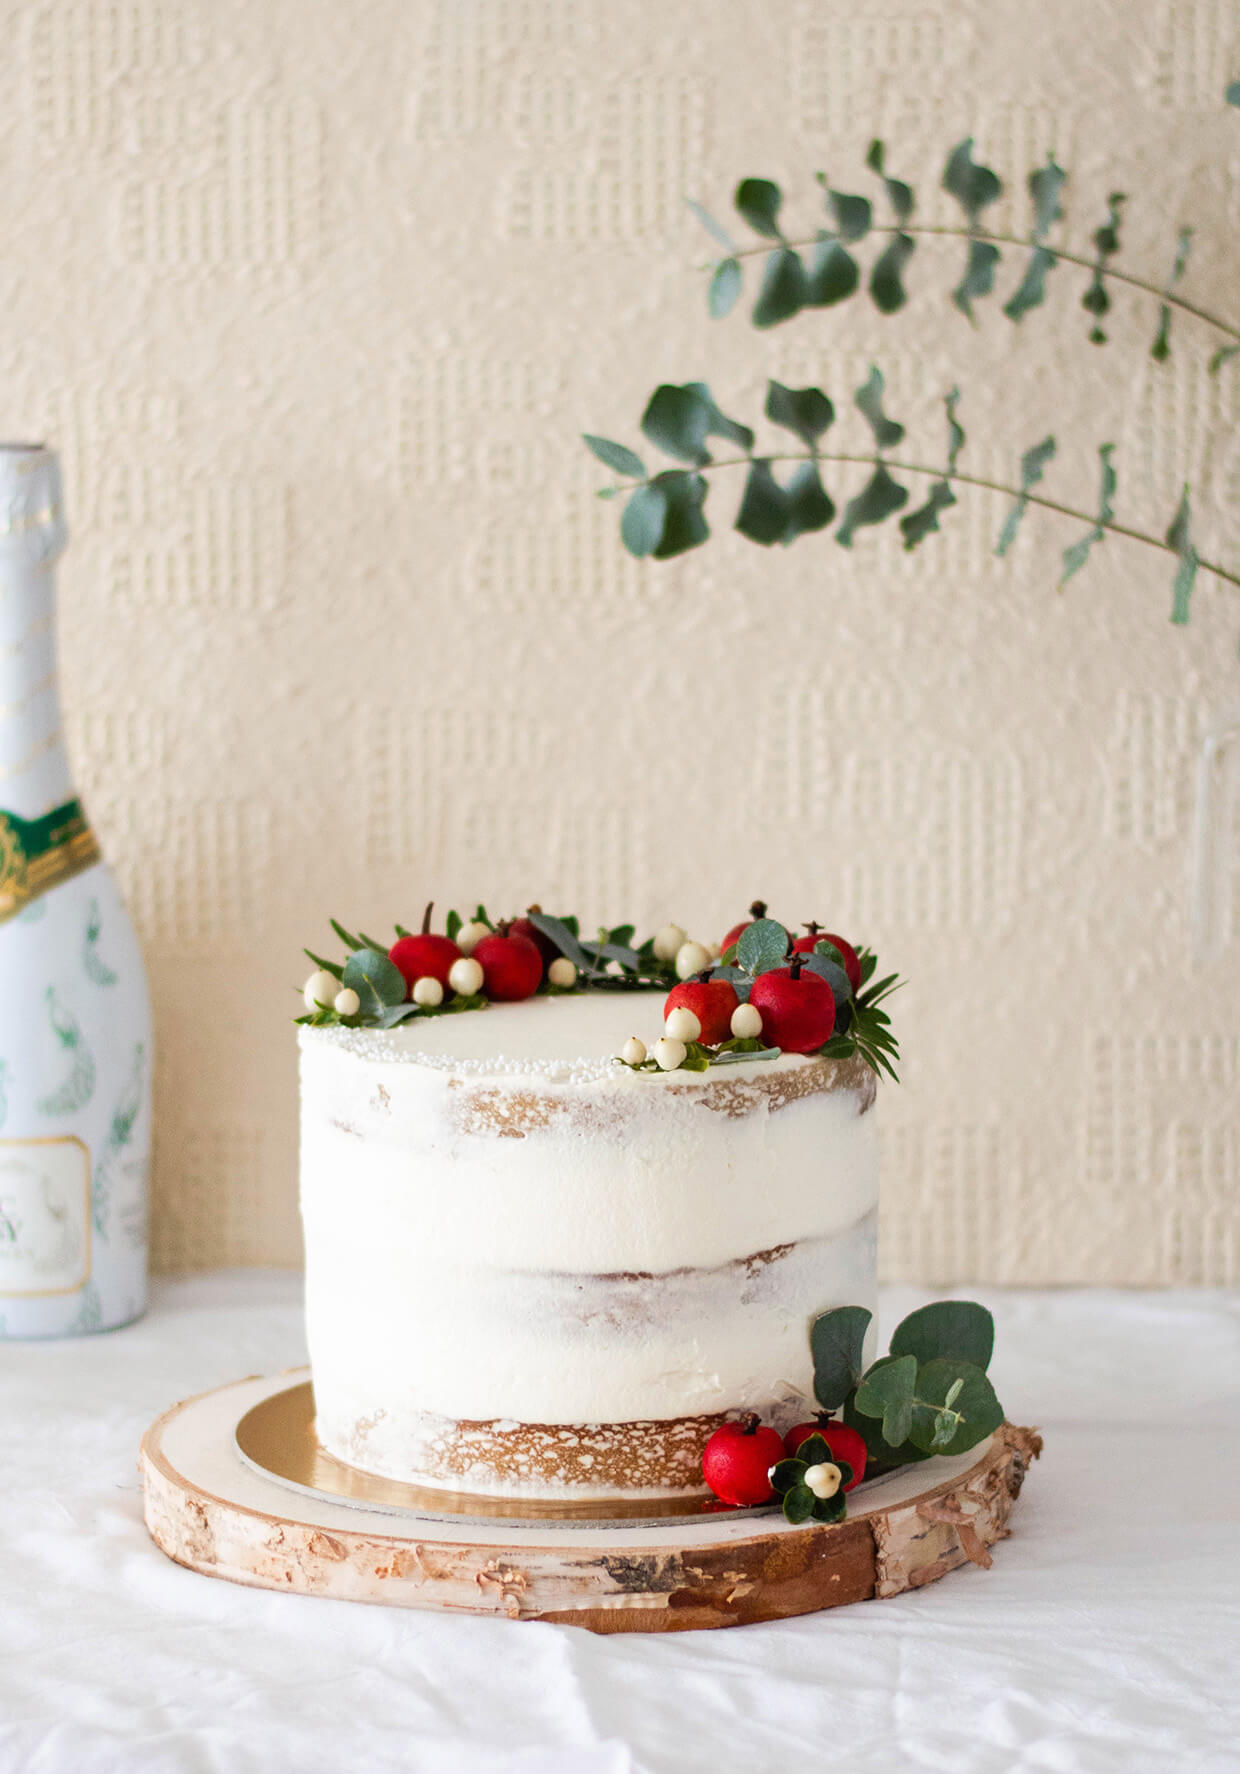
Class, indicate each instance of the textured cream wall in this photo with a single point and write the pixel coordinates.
(315, 298)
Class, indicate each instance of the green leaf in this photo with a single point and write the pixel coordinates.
(869, 962)
(558, 932)
(762, 946)
(332, 967)
(718, 424)
(838, 1047)
(955, 430)
(786, 1473)
(1232, 94)
(799, 1504)
(1179, 537)
(715, 229)
(763, 514)
(925, 519)
(830, 1509)
(1074, 558)
(805, 411)
(641, 522)
(899, 195)
(869, 400)
(1096, 300)
(977, 1408)
(959, 1329)
(972, 185)
(1160, 350)
(350, 942)
(453, 926)
(879, 499)
(677, 420)
(1031, 292)
(1032, 465)
(725, 288)
(1045, 187)
(377, 982)
(880, 1456)
(887, 277)
(979, 276)
(758, 201)
(832, 972)
(887, 1391)
(833, 275)
(809, 505)
(616, 456)
(684, 527)
(852, 215)
(784, 289)
(953, 1392)
(1223, 355)
(836, 1340)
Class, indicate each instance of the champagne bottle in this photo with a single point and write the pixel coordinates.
(75, 1019)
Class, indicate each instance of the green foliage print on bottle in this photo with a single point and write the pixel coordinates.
(89, 1315)
(96, 967)
(78, 1087)
(120, 1135)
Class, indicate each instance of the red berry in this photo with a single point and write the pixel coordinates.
(737, 1461)
(523, 927)
(512, 967)
(425, 956)
(844, 1443)
(798, 1010)
(757, 910)
(712, 1001)
(804, 945)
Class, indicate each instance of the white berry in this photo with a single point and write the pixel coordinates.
(469, 936)
(320, 990)
(465, 976)
(691, 957)
(669, 1053)
(562, 972)
(746, 1022)
(633, 1052)
(668, 942)
(428, 991)
(823, 1480)
(347, 1002)
(682, 1025)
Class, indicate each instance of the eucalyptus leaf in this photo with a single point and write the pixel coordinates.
(922, 522)
(1031, 291)
(1179, 537)
(1032, 466)
(1074, 558)
(809, 505)
(377, 982)
(887, 276)
(805, 411)
(677, 420)
(784, 291)
(642, 520)
(735, 1059)
(957, 1329)
(1046, 184)
(971, 184)
(979, 276)
(558, 932)
(837, 1341)
(879, 499)
(1160, 350)
(715, 229)
(888, 1382)
(899, 195)
(762, 946)
(869, 401)
(832, 277)
(725, 288)
(616, 456)
(1096, 300)
(717, 423)
(684, 527)
(393, 1014)
(852, 215)
(763, 514)
(833, 974)
(758, 201)
(1232, 94)
(1223, 355)
(977, 1408)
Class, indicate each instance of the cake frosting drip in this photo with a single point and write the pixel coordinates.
(519, 1253)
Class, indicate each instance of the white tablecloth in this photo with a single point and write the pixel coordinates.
(1107, 1635)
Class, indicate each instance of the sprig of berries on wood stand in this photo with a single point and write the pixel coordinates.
(929, 1395)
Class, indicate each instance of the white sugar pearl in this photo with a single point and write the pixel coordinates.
(320, 989)
(669, 1053)
(633, 1052)
(347, 1002)
(691, 957)
(823, 1480)
(682, 1025)
(562, 972)
(746, 1022)
(668, 942)
(465, 976)
(428, 991)
(469, 936)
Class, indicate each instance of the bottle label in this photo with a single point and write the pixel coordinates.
(38, 854)
(44, 1217)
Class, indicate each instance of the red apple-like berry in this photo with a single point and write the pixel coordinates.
(737, 1461)
(804, 945)
(512, 967)
(712, 1001)
(424, 957)
(798, 1009)
(844, 1443)
(757, 910)
(523, 927)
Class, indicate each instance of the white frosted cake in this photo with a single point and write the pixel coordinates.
(533, 1271)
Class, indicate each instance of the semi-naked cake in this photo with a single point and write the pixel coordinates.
(533, 1271)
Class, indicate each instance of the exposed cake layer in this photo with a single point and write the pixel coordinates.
(535, 1239)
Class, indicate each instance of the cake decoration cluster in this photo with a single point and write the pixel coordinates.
(928, 1395)
(761, 992)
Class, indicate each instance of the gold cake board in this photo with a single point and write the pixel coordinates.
(224, 1513)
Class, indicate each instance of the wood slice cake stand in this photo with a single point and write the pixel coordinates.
(212, 1508)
